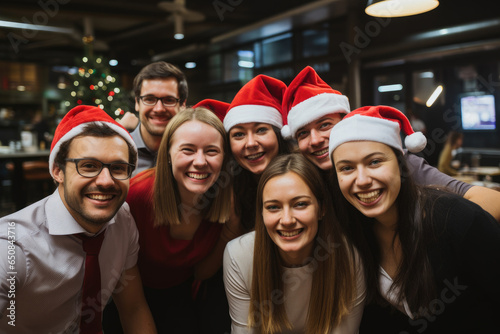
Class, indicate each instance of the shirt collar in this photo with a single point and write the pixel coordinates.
(60, 221)
(137, 138)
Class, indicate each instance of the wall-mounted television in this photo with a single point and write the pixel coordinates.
(477, 111)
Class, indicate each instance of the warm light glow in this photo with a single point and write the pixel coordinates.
(399, 8)
(434, 96)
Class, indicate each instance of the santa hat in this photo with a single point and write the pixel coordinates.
(73, 124)
(381, 124)
(259, 100)
(219, 108)
(309, 98)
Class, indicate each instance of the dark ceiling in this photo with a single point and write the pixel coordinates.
(136, 32)
(128, 30)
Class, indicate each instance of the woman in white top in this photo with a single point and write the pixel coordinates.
(295, 273)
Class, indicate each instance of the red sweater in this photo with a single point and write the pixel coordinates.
(165, 262)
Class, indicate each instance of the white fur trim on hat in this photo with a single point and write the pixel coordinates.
(249, 113)
(78, 130)
(314, 108)
(358, 127)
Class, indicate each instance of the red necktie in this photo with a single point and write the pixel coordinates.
(91, 320)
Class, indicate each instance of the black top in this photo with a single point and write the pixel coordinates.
(465, 258)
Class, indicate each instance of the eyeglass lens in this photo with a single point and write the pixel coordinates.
(166, 101)
(92, 168)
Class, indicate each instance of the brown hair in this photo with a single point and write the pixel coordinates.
(334, 283)
(159, 70)
(167, 204)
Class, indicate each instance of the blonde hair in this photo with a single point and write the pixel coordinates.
(334, 283)
(216, 202)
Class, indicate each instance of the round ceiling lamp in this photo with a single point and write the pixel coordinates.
(399, 8)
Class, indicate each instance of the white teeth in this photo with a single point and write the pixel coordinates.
(318, 153)
(369, 197)
(197, 176)
(255, 156)
(290, 234)
(100, 197)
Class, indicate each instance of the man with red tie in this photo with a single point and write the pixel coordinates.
(63, 257)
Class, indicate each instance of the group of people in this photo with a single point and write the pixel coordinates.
(280, 212)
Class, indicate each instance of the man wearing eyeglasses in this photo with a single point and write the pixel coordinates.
(160, 91)
(63, 257)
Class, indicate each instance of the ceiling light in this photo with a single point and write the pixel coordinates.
(190, 64)
(434, 96)
(179, 29)
(246, 64)
(113, 62)
(390, 88)
(399, 8)
(29, 26)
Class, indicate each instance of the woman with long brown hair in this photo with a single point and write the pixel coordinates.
(295, 273)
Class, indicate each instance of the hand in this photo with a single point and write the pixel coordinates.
(129, 121)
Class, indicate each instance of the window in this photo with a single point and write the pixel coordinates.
(276, 50)
(315, 42)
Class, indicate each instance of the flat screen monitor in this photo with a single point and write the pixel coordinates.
(477, 111)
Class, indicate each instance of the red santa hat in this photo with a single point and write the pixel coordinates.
(73, 124)
(219, 108)
(259, 100)
(309, 98)
(381, 124)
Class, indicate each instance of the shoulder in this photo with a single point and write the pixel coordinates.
(26, 221)
(238, 263)
(141, 187)
(242, 245)
(239, 251)
(455, 214)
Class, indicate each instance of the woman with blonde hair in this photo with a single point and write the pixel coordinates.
(295, 273)
(181, 207)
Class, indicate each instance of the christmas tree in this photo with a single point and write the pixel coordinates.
(95, 84)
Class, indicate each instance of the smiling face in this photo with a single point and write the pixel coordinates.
(93, 201)
(290, 212)
(313, 140)
(196, 155)
(369, 178)
(253, 145)
(154, 119)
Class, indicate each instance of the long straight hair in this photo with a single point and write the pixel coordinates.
(216, 202)
(334, 279)
(414, 278)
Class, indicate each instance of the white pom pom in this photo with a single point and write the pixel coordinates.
(286, 132)
(415, 142)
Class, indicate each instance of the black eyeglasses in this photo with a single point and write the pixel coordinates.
(93, 167)
(168, 101)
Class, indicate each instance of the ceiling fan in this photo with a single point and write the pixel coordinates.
(180, 14)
